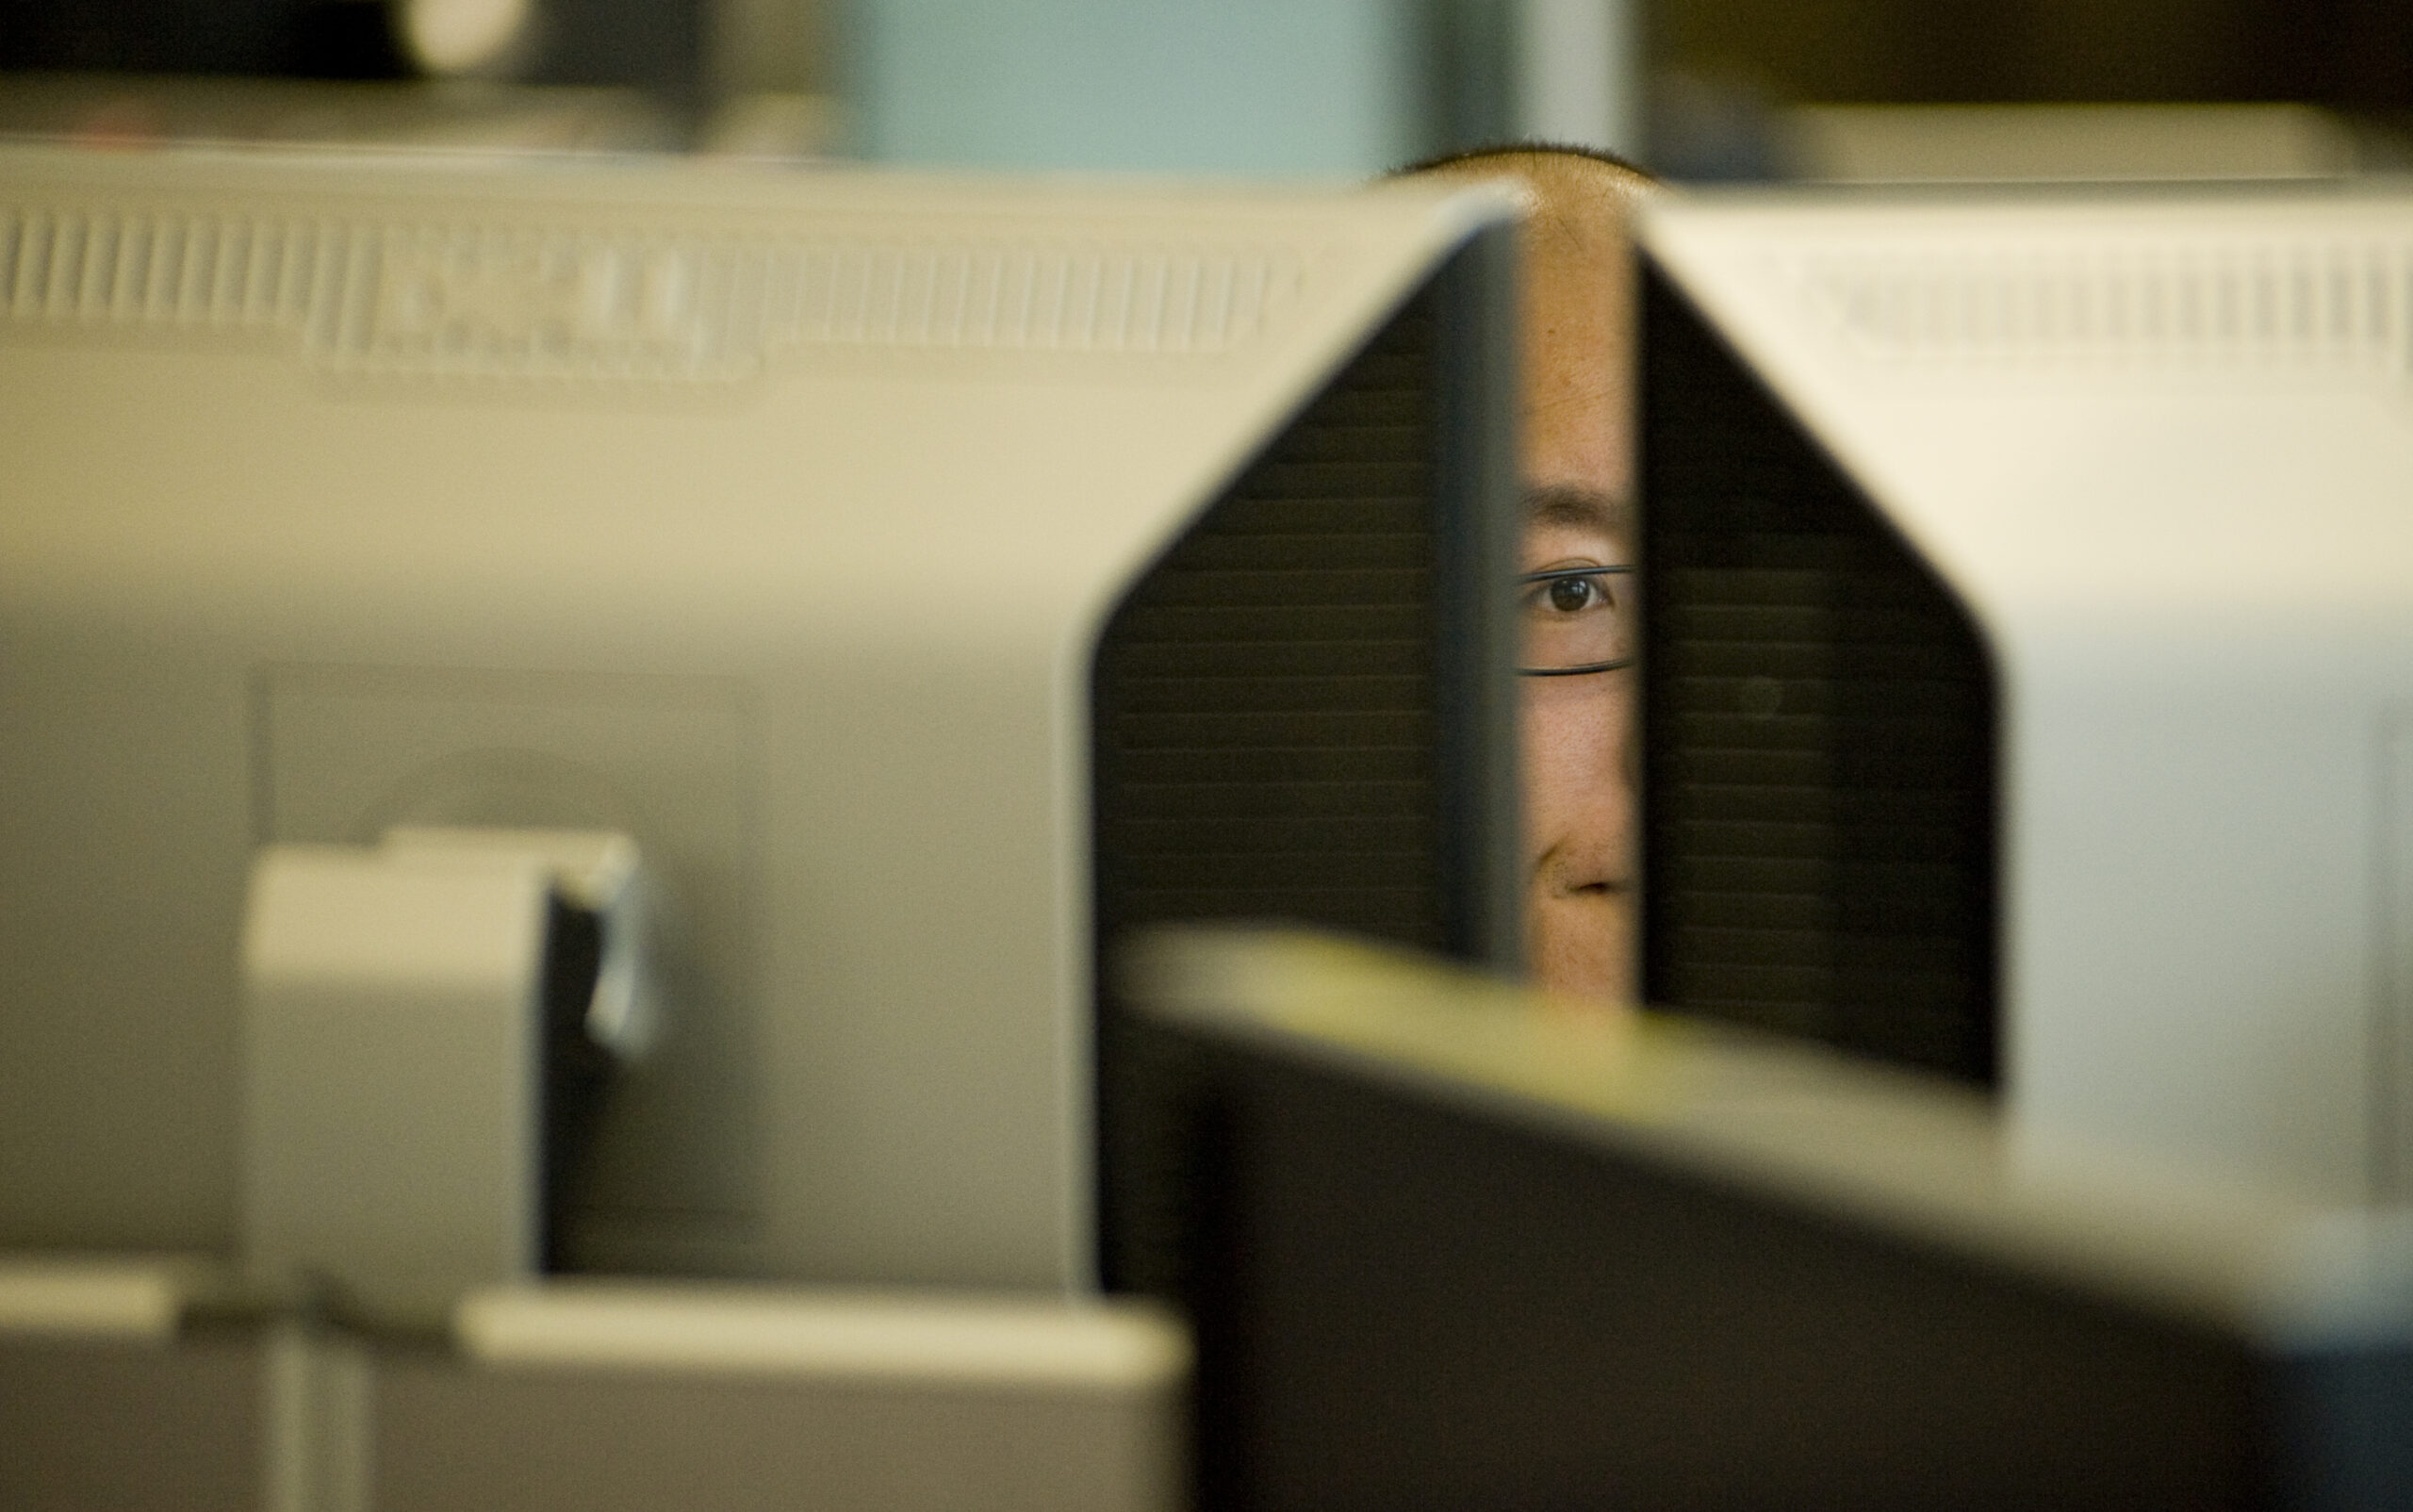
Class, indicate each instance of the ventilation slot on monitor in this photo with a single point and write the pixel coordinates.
(1299, 710)
(388, 296)
(2308, 307)
(1818, 716)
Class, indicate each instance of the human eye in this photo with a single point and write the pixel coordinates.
(1573, 595)
(1574, 619)
(1565, 593)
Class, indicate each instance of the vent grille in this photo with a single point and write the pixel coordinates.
(2317, 307)
(1265, 695)
(166, 271)
(1300, 711)
(573, 304)
(1819, 754)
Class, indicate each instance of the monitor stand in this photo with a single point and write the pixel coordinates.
(428, 1026)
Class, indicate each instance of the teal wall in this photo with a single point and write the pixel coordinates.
(1334, 88)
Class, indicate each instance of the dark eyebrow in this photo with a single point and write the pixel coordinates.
(1576, 507)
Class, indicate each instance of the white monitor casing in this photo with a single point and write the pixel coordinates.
(769, 518)
(2159, 445)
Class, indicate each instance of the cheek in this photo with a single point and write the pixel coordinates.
(1574, 752)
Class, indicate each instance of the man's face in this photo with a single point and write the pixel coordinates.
(1577, 461)
(1576, 457)
(1578, 760)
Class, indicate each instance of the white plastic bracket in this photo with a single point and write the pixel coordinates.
(394, 1054)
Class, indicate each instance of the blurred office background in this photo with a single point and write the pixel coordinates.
(1334, 88)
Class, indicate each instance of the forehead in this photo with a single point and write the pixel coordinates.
(1578, 210)
(1575, 510)
(1577, 324)
(1578, 355)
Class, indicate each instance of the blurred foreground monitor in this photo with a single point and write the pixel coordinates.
(1449, 1245)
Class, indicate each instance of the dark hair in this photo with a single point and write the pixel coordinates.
(1522, 149)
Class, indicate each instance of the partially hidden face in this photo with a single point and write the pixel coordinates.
(1578, 735)
(1576, 457)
